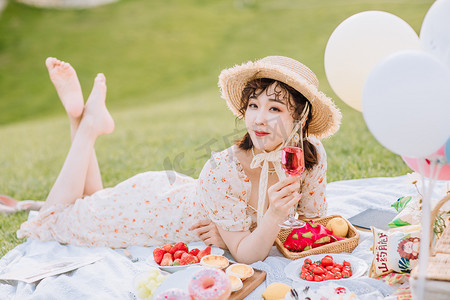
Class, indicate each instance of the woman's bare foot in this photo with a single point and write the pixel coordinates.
(67, 86)
(96, 115)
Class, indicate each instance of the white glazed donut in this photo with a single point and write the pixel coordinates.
(173, 294)
(210, 284)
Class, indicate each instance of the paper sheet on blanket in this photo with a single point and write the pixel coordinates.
(36, 272)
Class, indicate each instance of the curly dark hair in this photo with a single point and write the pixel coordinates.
(296, 103)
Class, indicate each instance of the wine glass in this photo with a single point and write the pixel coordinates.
(293, 163)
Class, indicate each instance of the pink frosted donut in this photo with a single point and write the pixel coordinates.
(210, 284)
(173, 294)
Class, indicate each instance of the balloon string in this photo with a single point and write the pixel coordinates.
(423, 256)
(435, 167)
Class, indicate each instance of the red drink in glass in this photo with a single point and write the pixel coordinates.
(293, 161)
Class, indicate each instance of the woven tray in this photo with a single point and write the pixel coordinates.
(346, 245)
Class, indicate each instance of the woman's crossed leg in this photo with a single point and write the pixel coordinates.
(80, 174)
(68, 87)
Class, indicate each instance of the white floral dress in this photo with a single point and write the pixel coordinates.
(155, 208)
(224, 190)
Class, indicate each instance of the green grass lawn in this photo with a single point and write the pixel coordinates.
(161, 60)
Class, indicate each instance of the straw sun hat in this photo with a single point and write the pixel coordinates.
(326, 117)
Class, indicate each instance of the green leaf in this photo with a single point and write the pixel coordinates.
(398, 223)
(401, 202)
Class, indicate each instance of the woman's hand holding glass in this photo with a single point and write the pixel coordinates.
(283, 196)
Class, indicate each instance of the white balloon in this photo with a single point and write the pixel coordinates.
(406, 103)
(357, 44)
(435, 31)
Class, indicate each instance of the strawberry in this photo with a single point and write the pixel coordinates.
(204, 252)
(187, 259)
(167, 260)
(178, 254)
(158, 254)
(176, 262)
(194, 251)
(179, 246)
(166, 247)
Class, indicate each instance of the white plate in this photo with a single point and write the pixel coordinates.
(178, 280)
(172, 269)
(359, 267)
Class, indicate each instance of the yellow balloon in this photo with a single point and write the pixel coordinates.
(357, 45)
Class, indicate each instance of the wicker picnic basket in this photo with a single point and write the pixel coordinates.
(439, 260)
(346, 245)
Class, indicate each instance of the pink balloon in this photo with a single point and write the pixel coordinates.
(413, 163)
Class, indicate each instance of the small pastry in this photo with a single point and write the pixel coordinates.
(214, 261)
(236, 283)
(241, 271)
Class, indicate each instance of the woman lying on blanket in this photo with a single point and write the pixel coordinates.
(154, 208)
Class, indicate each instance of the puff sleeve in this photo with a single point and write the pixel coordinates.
(313, 202)
(223, 193)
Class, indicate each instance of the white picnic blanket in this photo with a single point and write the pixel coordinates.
(111, 277)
